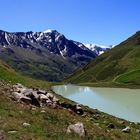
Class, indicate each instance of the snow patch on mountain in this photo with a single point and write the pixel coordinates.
(98, 49)
(48, 31)
(52, 41)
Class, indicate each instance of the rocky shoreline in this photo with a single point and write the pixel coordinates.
(41, 98)
(37, 98)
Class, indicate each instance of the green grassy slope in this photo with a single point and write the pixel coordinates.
(124, 58)
(46, 66)
(52, 124)
(9, 75)
(132, 77)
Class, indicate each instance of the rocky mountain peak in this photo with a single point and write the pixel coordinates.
(51, 51)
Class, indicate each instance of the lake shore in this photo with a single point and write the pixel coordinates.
(110, 85)
(52, 123)
(105, 119)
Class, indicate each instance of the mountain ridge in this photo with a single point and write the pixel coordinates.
(117, 63)
(46, 55)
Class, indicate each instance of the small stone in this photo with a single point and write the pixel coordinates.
(33, 108)
(43, 111)
(79, 110)
(12, 132)
(26, 124)
(111, 125)
(126, 130)
(2, 135)
(137, 130)
(121, 122)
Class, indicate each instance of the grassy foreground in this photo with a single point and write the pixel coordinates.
(51, 124)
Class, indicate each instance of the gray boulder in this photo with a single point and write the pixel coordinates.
(40, 91)
(126, 130)
(77, 128)
(19, 88)
(34, 93)
(26, 99)
(43, 97)
(50, 95)
(17, 96)
(20, 97)
(27, 92)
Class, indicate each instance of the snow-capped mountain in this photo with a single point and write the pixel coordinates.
(47, 55)
(49, 40)
(98, 49)
(44, 55)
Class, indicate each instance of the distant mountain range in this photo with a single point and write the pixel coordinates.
(121, 64)
(98, 49)
(47, 55)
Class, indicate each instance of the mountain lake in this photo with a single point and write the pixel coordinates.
(120, 102)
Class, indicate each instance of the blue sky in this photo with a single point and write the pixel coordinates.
(89, 21)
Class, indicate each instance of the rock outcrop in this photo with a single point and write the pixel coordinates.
(33, 96)
(41, 98)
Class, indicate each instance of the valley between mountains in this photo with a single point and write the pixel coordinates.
(46, 55)
(117, 67)
(31, 63)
